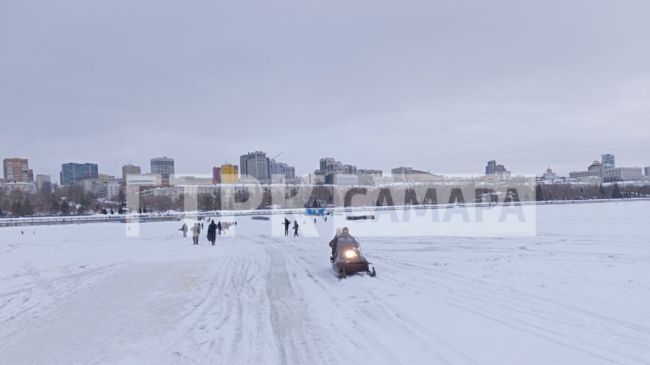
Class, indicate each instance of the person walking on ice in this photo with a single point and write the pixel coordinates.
(212, 232)
(287, 223)
(184, 229)
(295, 228)
(196, 231)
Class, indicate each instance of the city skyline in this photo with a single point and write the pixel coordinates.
(441, 88)
(320, 167)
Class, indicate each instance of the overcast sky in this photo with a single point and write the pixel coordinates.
(437, 85)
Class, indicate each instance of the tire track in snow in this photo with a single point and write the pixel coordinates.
(518, 302)
(369, 315)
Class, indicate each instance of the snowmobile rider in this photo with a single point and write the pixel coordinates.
(344, 232)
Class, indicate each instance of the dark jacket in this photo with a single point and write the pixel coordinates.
(212, 231)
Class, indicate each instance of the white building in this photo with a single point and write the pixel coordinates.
(622, 174)
(313, 179)
(113, 189)
(144, 180)
(190, 180)
(25, 187)
(345, 179)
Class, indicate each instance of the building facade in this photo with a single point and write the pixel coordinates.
(255, 165)
(281, 168)
(144, 180)
(622, 174)
(163, 166)
(494, 169)
(345, 179)
(72, 172)
(608, 161)
(17, 170)
(258, 166)
(43, 182)
(594, 171)
(228, 174)
(216, 175)
(130, 169)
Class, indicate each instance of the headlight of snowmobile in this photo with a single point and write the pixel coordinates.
(350, 254)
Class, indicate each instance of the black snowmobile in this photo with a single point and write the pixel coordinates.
(349, 259)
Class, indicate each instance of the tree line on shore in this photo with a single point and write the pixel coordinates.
(73, 200)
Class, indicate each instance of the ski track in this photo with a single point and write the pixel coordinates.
(260, 299)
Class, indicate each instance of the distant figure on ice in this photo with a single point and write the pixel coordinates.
(219, 228)
(295, 228)
(196, 231)
(212, 232)
(184, 229)
(287, 223)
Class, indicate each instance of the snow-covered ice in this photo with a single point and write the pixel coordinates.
(576, 293)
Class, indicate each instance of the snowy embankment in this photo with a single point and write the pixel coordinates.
(172, 215)
(576, 293)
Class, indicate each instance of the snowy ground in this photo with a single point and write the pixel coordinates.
(577, 293)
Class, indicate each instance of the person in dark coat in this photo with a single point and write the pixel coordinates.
(219, 228)
(184, 229)
(295, 228)
(212, 232)
(287, 223)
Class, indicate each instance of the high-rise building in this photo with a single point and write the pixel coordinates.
(43, 183)
(255, 165)
(281, 168)
(229, 174)
(17, 170)
(130, 169)
(609, 161)
(163, 166)
(73, 172)
(647, 171)
(216, 175)
(330, 167)
(225, 174)
(328, 164)
(492, 168)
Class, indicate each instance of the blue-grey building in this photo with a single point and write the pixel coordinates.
(73, 172)
(608, 161)
(256, 165)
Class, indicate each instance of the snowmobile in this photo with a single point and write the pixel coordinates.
(349, 259)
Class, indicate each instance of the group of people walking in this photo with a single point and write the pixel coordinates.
(214, 229)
